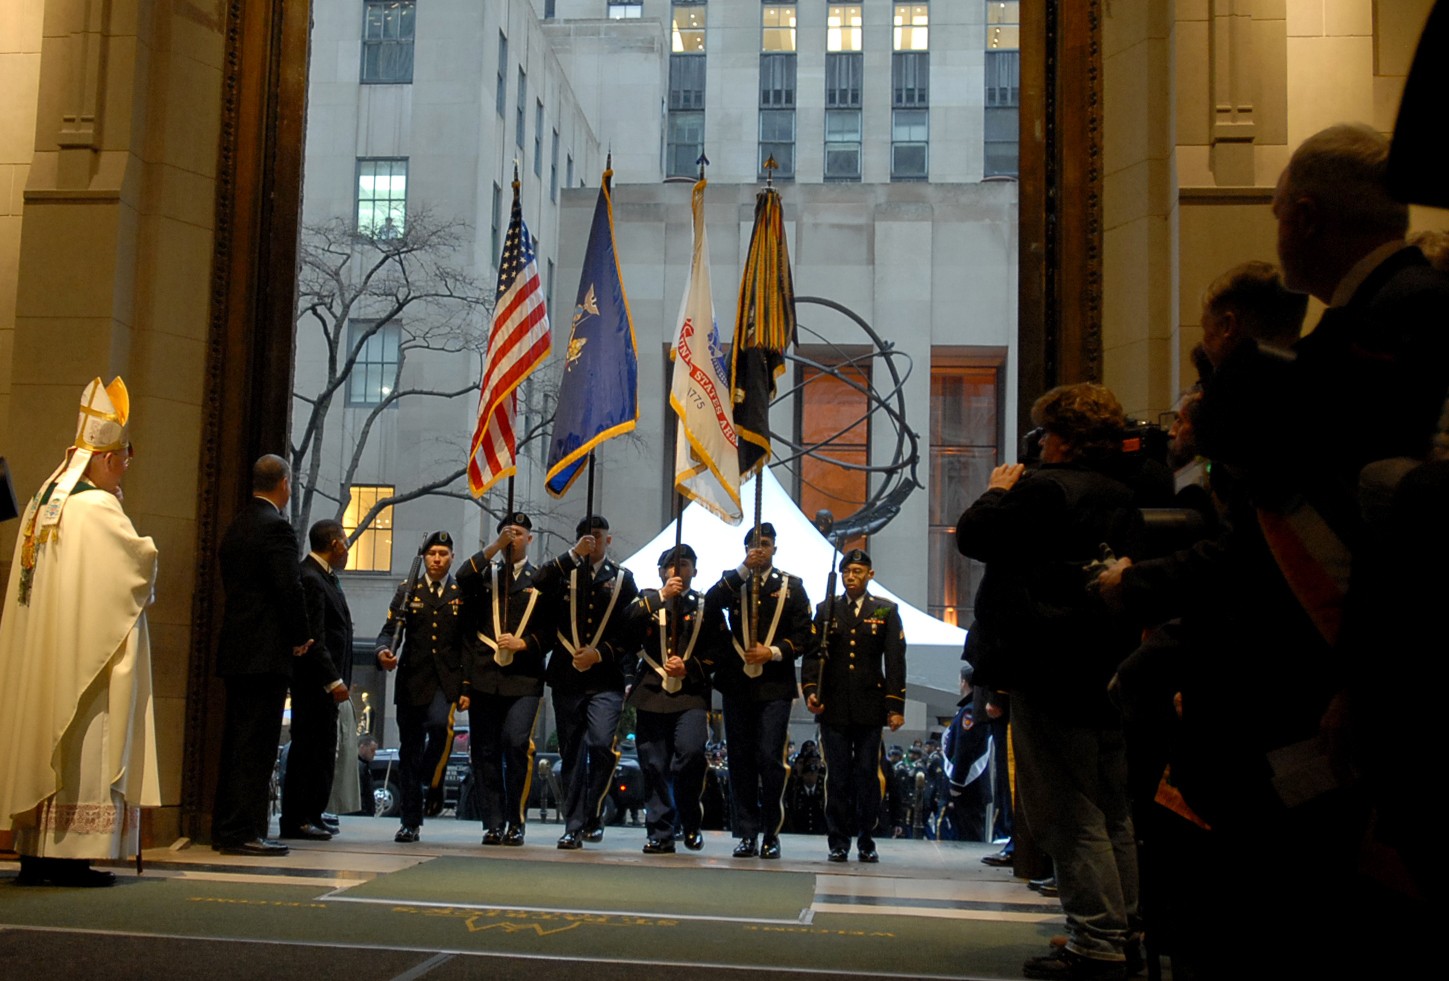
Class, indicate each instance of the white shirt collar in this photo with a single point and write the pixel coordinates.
(326, 566)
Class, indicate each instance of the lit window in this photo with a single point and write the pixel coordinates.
(911, 26)
(842, 28)
(689, 28)
(374, 373)
(387, 41)
(372, 550)
(382, 186)
(779, 28)
(1003, 25)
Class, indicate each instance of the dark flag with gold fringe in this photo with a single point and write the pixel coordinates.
(764, 327)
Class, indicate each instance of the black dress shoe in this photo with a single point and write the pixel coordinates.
(1000, 860)
(571, 841)
(693, 840)
(406, 835)
(493, 836)
(78, 874)
(257, 846)
(869, 856)
(652, 847)
(307, 832)
(514, 835)
(838, 855)
(746, 848)
(327, 823)
(593, 834)
(770, 848)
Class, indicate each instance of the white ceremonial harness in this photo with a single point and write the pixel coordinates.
(501, 657)
(571, 643)
(755, 670)
(672, 684)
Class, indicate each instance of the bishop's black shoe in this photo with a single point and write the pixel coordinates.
(693, 840)
(838, 855)
(652, 847)
(514, 835)
(493, 836)
(746, 848)
(406, 835)
(593, 833)
(770, 848)
(570, 841)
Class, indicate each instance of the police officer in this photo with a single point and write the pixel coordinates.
(507, 634)
(586, 671)
(855, 682)
(672, 696)
(770, 628)
(430, 675)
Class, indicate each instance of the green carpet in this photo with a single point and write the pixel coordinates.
(643, 890)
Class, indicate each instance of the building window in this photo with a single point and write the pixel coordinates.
(521, 123)
(777, 139)
(685, 143)
(777, 81)
(387, 41)
(538, 139)
(832, 414)
(842, 144)
(372, 549)
(553, 170)
(686, 82)
(910, 132)
(548, 296)
(382, 186)
(497, 223)
(910, 79)
(500, 98)
(964, 447)
(911, 27)
(375, 371)
(569, 172)
(1002, 121)
(779, 28)
(625, 10)
(842, 28)
(1003, 25)
(843, 77)
(688, 24)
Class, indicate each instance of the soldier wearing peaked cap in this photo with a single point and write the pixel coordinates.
(679, 638)
(506, 633)
(430, 677)
(855, 686)
(769, 615)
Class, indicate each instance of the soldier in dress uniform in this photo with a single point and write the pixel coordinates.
(770, 628)
(855, 682)
(672, 696)
(506, 636)
(430, 674)
(590, 596)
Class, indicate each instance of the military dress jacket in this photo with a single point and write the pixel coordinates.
(431, 654)
(702, 638)
(861, 678)
(526, 613)
(783, 621)
(588, 608)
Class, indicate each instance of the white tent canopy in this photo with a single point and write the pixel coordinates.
(933, 646)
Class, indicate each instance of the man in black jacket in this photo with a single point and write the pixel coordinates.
(318, 686)
(679, 637)
(855, 686)
(586, 671)
(506, 635)
(264, 629)
(770, 629)
(430, 674)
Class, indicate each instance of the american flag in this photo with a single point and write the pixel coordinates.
(517, 344)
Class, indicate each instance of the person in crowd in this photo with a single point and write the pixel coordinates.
(75, 708)
(967, 753)
(854, 682)
(429, 663)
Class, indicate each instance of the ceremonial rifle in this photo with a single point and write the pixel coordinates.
(825, 524)
(399, 614)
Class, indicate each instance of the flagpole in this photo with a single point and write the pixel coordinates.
(677, 602)
(589, 506)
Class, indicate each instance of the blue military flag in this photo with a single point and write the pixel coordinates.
(598, 397)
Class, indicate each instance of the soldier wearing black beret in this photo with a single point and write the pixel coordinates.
(855, 683)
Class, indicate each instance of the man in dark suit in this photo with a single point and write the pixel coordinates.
(855, 681)
(264, 630)
(672, 695)
(506, 635)
(429, 667)
(770, 628)
(586, 671)
(318, 687)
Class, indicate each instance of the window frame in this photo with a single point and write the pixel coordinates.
(382, 43)
(399, 224)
